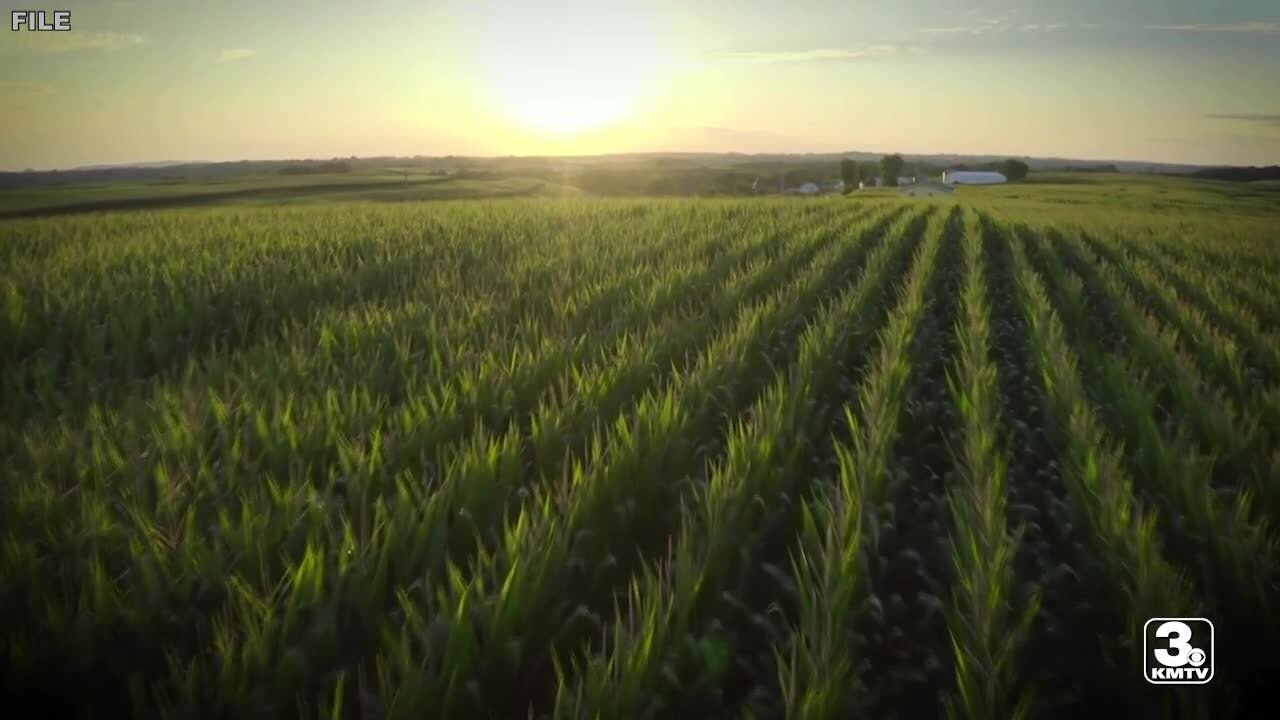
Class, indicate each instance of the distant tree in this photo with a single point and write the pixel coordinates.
(1239, 174)
(850, 173)
(799, 176)
(1015, 169)
(890, 168)
(337, 166)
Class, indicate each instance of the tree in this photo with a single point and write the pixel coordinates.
(850, 173)
(1015, 169)
(890, 168)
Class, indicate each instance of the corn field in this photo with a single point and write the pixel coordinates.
(635, 459)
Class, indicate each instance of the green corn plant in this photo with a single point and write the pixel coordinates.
(819, 673)
(722, 522)
(986, 630)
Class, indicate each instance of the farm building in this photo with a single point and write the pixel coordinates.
(972, 177)
(879, 182)
(805, 189)
(925, 189)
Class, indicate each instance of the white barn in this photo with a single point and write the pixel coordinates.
(973, 177)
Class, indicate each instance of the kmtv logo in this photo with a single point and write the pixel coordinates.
(1178, 651)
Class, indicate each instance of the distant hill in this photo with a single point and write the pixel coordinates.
(155, 164)
(1239, 174)
(551, 167)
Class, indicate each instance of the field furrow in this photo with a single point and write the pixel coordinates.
(510, 619)
(1218, 355)
(575, 457)
(822, 667)
(988, 619)
(1052, 556)
(480, 476)
(1252, 276)
(908, 649)
(566, 297)
(1140, 581)
(1182, 397)
(691, 641)
(1208, 533)
(1260, 349)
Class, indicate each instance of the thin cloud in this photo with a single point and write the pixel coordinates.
(234, 54)
(1265, 28)
(956, 30)
(1257, 118)
(25, 89)
(769, 57)
(714, 132)
(22, 95)
(66, 42)
(991, 25)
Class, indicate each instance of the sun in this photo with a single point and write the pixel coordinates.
(562, 73)
(569, 90)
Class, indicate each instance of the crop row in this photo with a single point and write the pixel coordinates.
(633, 459)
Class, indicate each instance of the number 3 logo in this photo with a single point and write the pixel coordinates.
(1178, 634)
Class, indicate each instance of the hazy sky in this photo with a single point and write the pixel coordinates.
(1170, 80)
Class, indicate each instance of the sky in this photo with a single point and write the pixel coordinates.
(1183, 81)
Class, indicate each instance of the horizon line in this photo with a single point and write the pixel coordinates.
(158, 164)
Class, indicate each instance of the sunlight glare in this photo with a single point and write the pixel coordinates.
(565, 72)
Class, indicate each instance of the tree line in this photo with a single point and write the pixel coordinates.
(1239, 174)
(892, 167)
(316, 168)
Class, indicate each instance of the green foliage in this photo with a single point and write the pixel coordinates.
(636, 458)
(850, 173)
(891, 167)
(1015, 170)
